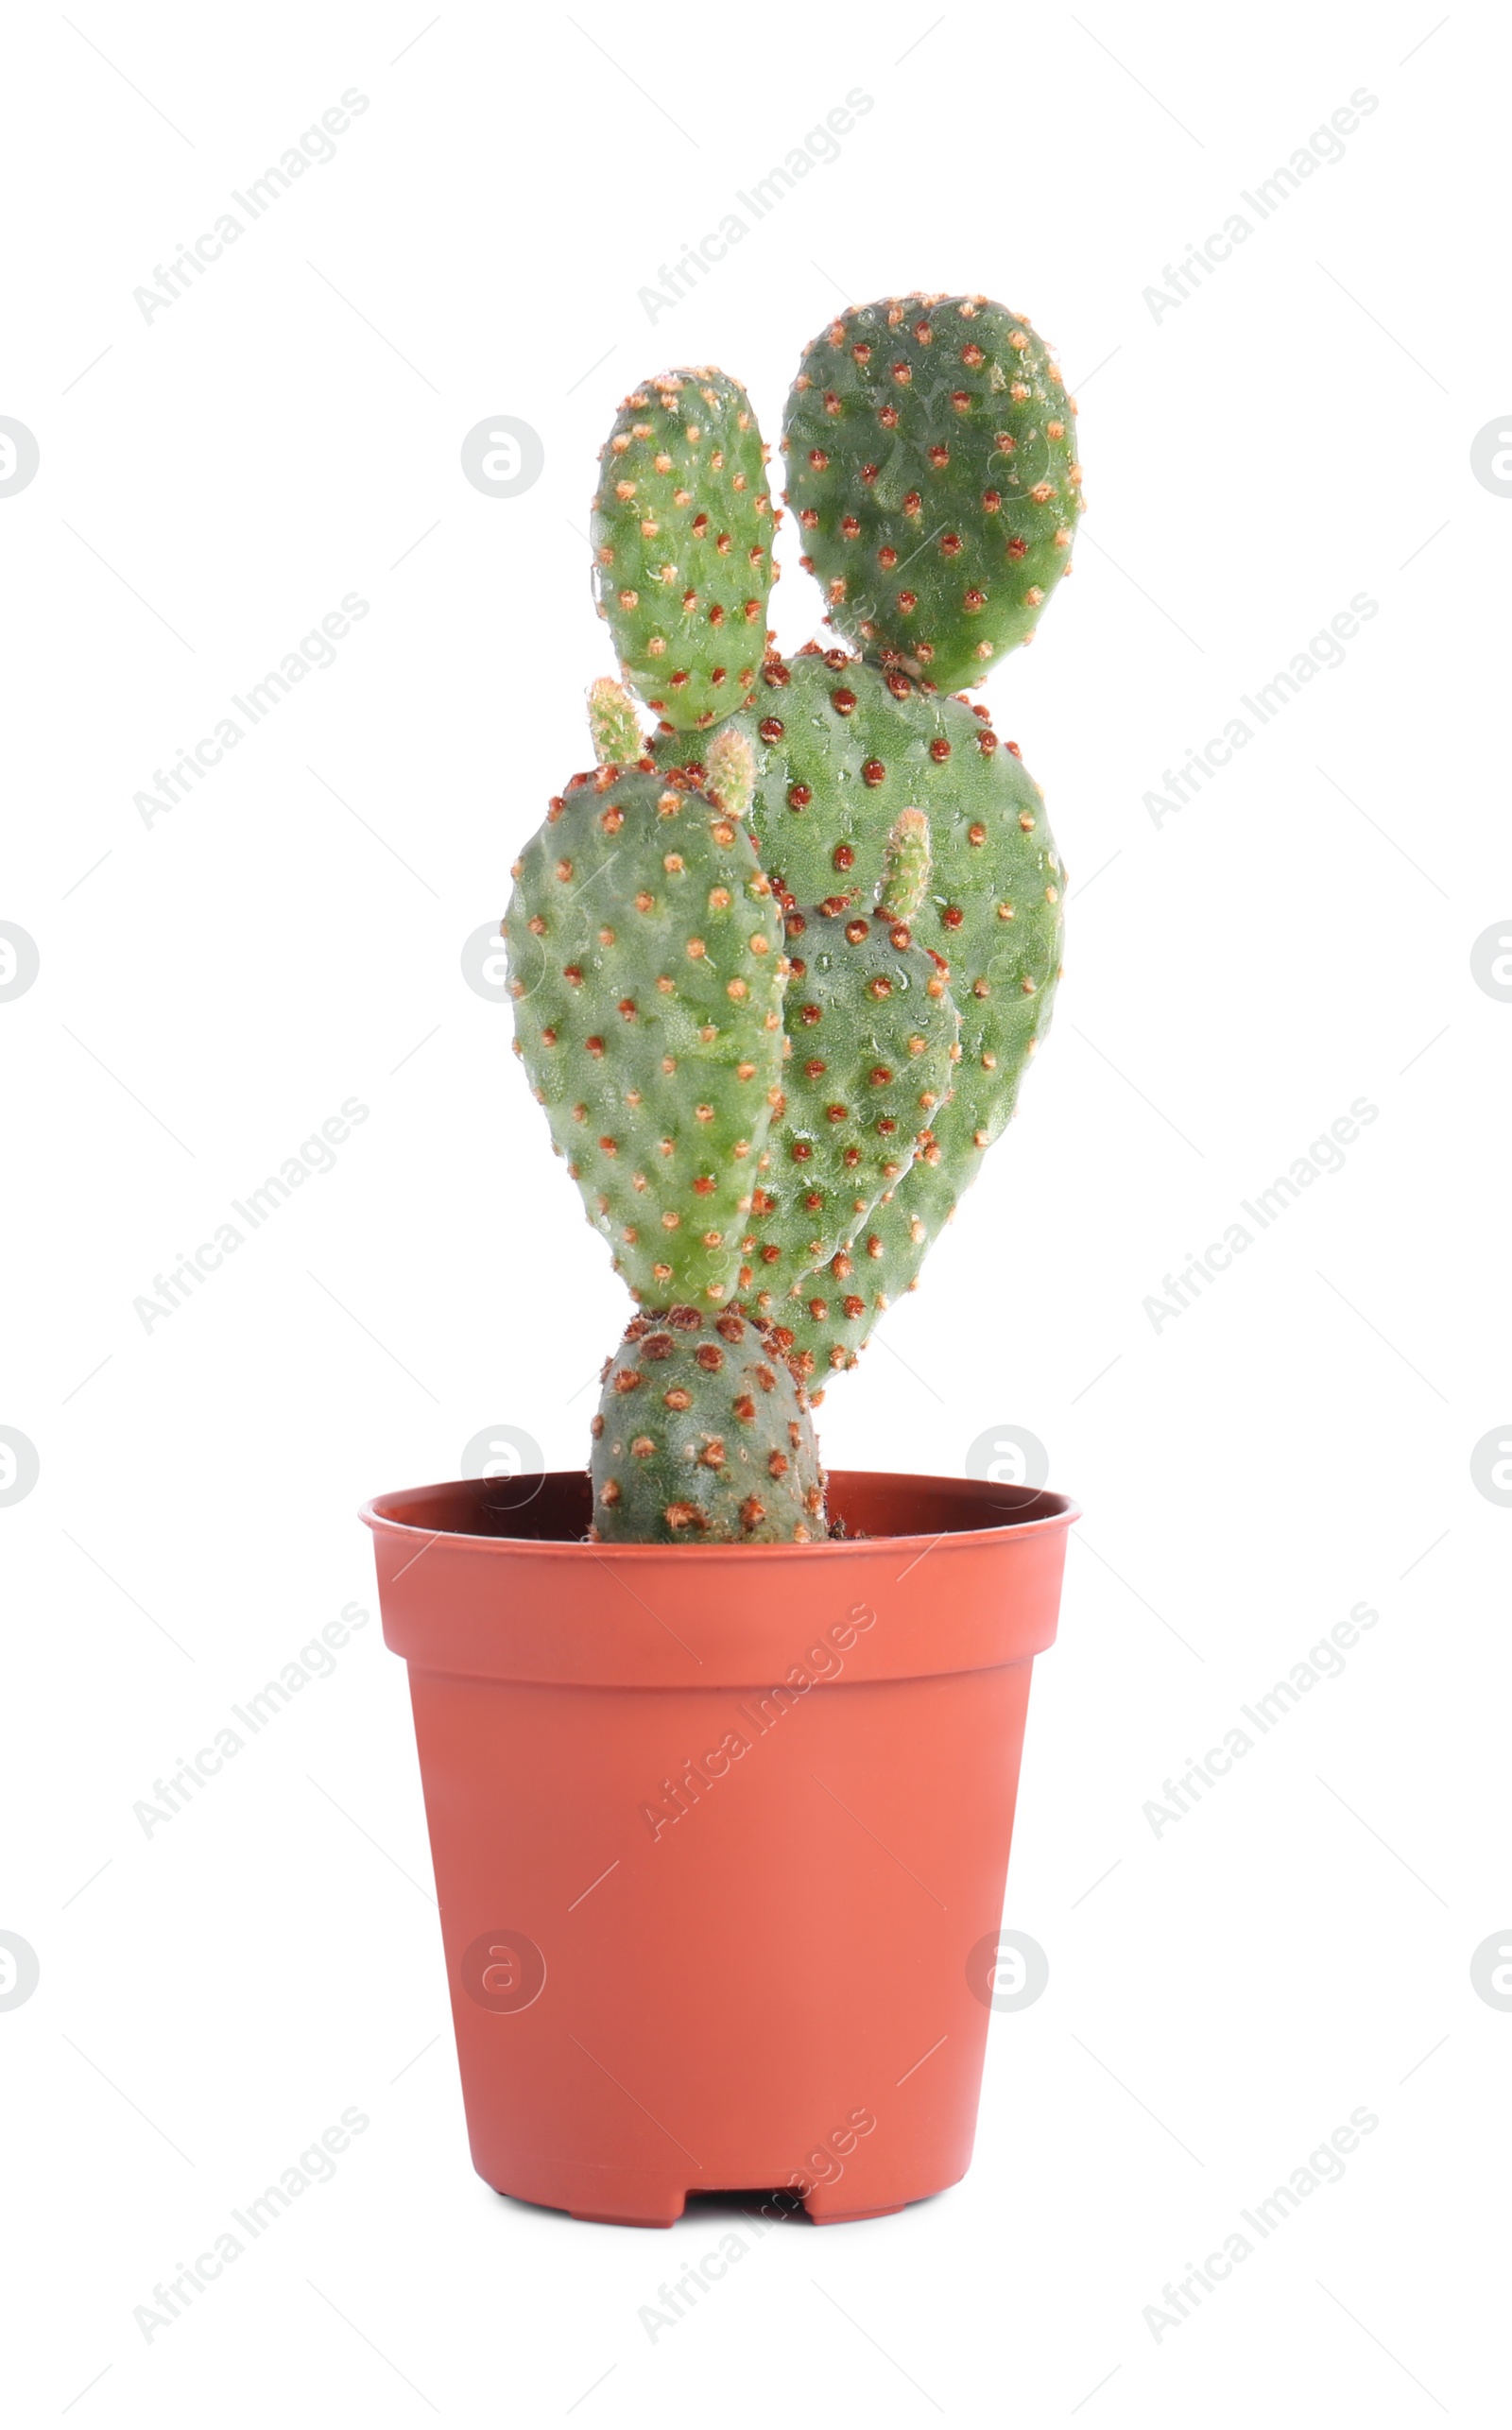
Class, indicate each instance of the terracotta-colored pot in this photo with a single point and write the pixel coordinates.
(720, 1832)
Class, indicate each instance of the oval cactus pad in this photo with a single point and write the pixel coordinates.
(682, 544)
(932, 462)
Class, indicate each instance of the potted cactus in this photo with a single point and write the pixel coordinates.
(720, 1754)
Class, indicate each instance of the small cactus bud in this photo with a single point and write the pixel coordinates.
(731, 765)
(907, 865)
(613, 724)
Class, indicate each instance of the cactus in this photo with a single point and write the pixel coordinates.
(930, 460)
(704, 1435)
(779, 968)
(683, 543)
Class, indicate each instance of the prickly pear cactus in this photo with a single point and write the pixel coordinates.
(932, 462)
(702, 1436)
(682, 528)
(779, 967)
(646, 961)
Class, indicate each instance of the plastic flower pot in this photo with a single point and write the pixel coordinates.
(720, 1833)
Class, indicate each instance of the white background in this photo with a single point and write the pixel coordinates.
(211, 987)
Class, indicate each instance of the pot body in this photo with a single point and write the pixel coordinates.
(720, 1833)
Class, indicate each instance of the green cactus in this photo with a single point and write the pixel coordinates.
(702, 1436)
(645, 961)
(932, 464)
(683, 543)
(779, 968)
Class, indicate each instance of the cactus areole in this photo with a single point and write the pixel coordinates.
(720, 1754)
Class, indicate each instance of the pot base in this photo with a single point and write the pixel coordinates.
(665, 2210)
(823, 2218)
(651, 2202)
(819, 2218)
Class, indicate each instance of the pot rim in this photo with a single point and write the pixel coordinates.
(381, 1515)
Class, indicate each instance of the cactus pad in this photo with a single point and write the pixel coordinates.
(932, 464)
(703, 1436)
(827, 1328)
(874, 1036)
(846, 752)
(647, 965)
(682, 544)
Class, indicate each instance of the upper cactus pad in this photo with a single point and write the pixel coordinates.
(682, 543)
(930, 460)
(647, 964)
